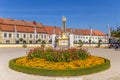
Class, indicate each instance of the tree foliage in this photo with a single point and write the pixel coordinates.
(115, 32)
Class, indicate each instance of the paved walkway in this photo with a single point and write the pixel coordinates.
(9, 53)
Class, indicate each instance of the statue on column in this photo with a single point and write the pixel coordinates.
(64, 23)
(63, 39)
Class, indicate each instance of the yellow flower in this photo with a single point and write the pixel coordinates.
(42, 63)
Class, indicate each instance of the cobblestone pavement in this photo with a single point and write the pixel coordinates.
(9, 53)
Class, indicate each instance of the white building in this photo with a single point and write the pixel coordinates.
(15, 31)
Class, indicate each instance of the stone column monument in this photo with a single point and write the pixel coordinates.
(63, 40)
(64, 23)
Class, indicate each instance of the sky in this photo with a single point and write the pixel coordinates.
(81, 14)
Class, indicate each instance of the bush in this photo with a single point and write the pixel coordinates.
(99, 43)
(43, 43)
(58, 55)
(80, 43)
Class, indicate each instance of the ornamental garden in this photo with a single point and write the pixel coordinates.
(59, 62)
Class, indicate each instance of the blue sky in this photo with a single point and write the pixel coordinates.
(80, 13)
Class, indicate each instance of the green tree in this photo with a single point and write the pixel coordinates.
(21, 39)
(115, 32)
(38, 41)
(43, 43)
(89, 41)
(99, 42)
(80, 43)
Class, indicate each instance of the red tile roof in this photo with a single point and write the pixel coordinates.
(25, 26)
(19, 22)
(11, 21)
(86, 32)
(7, 28)
(98, 33)
(52, 29)
(21, 26)
(11, 28)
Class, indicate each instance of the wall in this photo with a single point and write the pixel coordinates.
(92, 45)
(47, 45)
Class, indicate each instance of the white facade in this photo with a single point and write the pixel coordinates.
(71, 40)
(12, 37)
(53, 40)
(86, 38)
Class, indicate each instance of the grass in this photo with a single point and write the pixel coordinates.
(51, 72)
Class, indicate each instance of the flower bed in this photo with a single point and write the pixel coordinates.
(42, 63)
(54, 55)
(45, 62)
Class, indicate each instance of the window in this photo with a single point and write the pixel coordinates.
(30, 35)
(7, 41)
(98, 37)
(17, 42)
(17, 35)
(42, 36)
(24, 35)
(5, 35)
(45, 36)
(30, 42)
(24, 41)
(10, 35)
(86, 37)
(49, 36)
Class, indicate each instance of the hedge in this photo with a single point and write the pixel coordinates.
(51, 72)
